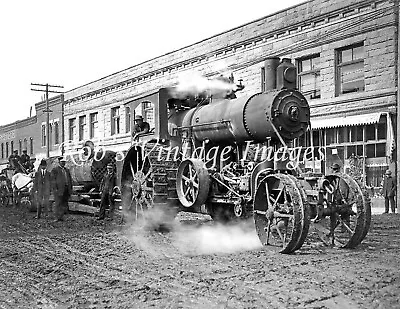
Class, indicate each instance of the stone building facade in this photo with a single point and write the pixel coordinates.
(346, 52)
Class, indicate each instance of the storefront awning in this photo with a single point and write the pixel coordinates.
(344, 121)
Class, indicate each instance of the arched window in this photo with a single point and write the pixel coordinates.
(25, 144)
(31, 150)
(2, 150)
(12, 146)
(7, 150)
(20, 146)
(56, 133)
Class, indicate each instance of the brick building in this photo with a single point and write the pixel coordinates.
(30, 133)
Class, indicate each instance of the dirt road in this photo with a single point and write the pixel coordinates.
(81, 263)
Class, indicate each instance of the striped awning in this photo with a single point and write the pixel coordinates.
(345, 121)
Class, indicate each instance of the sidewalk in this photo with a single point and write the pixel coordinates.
(378, 206)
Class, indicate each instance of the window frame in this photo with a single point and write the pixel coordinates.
(71, 128)
(316, 73)
(43, 135)
(115, 120)
(81, 128)
(339, 65)
(93, 126)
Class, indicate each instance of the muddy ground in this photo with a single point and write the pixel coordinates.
(83, 263)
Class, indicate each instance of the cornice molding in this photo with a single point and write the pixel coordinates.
(323, 20)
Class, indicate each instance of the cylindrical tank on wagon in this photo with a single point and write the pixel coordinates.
(89, 170)
(251, 118)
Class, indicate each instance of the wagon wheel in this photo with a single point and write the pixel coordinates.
(192, 183)
(281, 213)
(350, 212)
(4, 196)
(27, 204)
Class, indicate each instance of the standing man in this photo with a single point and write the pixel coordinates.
(141, 127)
(107, 185)
(388, 191)
(62, 188)
(41, 188)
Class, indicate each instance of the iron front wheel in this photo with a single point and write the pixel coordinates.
(281, 213)
(192, 183)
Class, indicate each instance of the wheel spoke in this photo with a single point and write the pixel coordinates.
(346, 226)
(279, 195)
(132, 170)
(187, 192)
(193, 194)
(190, 171)
(185, 178)
(146, 176)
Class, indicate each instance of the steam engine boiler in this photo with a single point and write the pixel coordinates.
(227, 156)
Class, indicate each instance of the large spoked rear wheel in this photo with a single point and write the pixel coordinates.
(137, 189)
(349, 207)
(281, 213)
(192, 183)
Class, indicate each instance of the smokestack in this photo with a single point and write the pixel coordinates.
(286, 75)
(270, 65)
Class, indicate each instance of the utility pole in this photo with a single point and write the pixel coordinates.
(47, 110)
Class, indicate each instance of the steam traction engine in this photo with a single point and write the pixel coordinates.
(224, 156)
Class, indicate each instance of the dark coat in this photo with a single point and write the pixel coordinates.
(389, 186)
(60, 184)
(42, 185)
(108, 183)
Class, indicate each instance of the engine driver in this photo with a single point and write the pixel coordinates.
(141, 127)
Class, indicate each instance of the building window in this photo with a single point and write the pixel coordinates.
(25, 144)
(12, 146)
(31, 146)
(2, 150)
(148, 113)
(43, 135)
(82, 124)
(20, 146)
(309, 76)
(56, 133)
(127, 119)
(350, 69)
(115, 119)
(93, 125)
(7, 150)
(50, 134)
(72, 128)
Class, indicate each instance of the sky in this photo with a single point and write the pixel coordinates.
(71, 43)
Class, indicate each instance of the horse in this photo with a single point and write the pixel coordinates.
(21, 182)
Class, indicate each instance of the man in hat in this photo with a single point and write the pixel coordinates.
(141, 127)
(62, 188)
(388, 191)
(41, 188)
(26, 160)
(335, 168)
(15, 160)
(106, 187)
